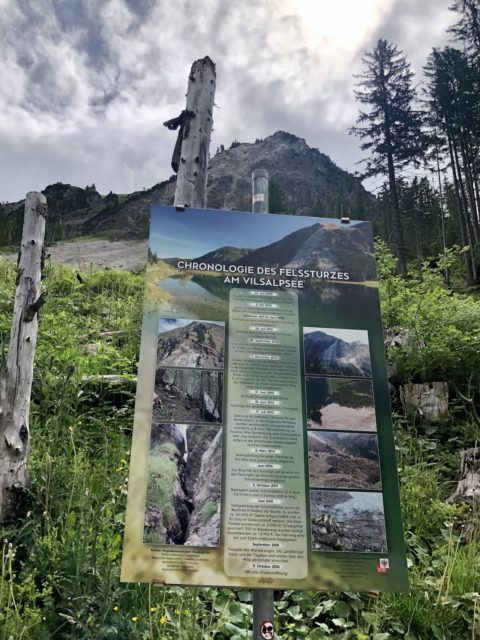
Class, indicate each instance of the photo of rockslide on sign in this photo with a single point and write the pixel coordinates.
(262, 453)
(336, 352)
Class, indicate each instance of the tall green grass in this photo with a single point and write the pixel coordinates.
(59, 573)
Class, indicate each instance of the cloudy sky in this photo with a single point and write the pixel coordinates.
(86, 84)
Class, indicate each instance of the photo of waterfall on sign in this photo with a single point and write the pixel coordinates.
(184, 485)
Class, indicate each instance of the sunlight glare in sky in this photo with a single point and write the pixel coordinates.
(344, 24)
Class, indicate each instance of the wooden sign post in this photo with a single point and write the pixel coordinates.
(190, 156)
(190, 161)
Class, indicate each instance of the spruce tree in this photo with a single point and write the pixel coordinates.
(391, 128)
(453, 96)
(467, 29)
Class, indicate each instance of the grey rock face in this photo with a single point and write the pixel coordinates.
(198, 344)
(325, 354)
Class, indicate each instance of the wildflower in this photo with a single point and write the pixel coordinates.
(153, 609)
(177, 612)
(163, 619)
(134, 618)
(115, 608)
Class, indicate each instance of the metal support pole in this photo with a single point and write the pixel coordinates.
(263, 603)
(260, 191)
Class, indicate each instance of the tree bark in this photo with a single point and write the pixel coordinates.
(469, 264)
(17, 376)
(191, 189)
(398, 235)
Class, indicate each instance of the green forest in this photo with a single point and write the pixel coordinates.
(60, 565)
(431, 130)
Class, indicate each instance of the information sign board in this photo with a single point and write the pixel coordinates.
(262, 451)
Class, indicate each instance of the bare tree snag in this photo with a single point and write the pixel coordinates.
(190, 157)
(17, 375)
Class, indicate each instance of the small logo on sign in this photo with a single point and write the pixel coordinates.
(266, 630)
(383, 565)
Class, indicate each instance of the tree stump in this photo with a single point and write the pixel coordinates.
(468, 489)
(428, 401)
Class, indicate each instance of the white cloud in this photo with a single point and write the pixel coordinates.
(86, 85)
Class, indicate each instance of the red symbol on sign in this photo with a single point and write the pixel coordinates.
(383, 565)
(266, 630)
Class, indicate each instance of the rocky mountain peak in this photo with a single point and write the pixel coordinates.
(303, 181)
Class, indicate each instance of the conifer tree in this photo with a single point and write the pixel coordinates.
(453, 95)
(467, 29)
(391, 128)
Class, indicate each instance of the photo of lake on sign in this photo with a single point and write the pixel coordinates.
(336, 352)
(190, 273)
(340, 404)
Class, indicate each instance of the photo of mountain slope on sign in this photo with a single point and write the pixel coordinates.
(337, 352)
(343, 460)
(190, 343)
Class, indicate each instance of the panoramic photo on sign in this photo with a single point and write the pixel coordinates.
(262, 451)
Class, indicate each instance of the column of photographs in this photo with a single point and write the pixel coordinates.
(346, 502)
(185, 460)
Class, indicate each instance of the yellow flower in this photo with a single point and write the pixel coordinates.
(134, 618)
(115, 608)
(153, 609)
(163, 619)
(177, 612)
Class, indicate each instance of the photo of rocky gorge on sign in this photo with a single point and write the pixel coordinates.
(343, 460)
(340, 404)
(181, 273)
(347, 521)
(190, 343)
(336, 352)
(184, 485)
(188, 395)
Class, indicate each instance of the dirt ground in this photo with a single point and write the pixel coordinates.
(127, 255)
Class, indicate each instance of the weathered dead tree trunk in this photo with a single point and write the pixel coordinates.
(428, 401)
(190, 157)
(468, 489)
(17, 375)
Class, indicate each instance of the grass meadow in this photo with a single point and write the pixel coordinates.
(59, 571)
